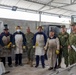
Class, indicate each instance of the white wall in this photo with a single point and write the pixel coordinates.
(12, 23)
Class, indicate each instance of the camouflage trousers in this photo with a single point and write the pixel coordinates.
(65, 55)
(72, 56)
(30, 53)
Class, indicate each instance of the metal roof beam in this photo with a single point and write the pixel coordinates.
(17, 2)
(54, 6)
(60, 3)
(35, 2)
(72, 1)
(46, 4)
(68, 5)
(40, 3)
(30, 10)
(37, 10)
(49, 3)
(62, 6)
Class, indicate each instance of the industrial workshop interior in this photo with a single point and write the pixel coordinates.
(37, 37)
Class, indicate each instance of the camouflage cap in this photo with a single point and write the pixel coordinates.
(63, 26)
(73, 24)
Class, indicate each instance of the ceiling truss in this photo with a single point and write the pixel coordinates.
(60, 7)
(48, 4)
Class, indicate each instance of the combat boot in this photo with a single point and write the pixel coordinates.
(31, 63)
(28, 62)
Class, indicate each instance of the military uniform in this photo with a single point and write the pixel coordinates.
(6, 41)
(29, 47)
(72, 53)
(63, 38)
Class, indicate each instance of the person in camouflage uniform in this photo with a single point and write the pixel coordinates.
(29, 46)
(63, 38)
(72, 41)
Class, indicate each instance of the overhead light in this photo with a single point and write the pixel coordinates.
(60, 16)
(14, 8)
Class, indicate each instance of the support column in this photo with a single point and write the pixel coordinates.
(40, 18)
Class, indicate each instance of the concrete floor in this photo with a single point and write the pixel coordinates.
(27, 70)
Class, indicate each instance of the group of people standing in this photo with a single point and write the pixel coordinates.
(38, 44)
(67, 45)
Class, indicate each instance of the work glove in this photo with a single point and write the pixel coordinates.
(57, 52)
(37, 44)
(9, 45)
(45, 48)
(33, 46)
(24, 47)
(13, 46)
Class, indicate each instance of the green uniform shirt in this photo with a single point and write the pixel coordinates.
(63, 38)
(72, 39)
(29, 39)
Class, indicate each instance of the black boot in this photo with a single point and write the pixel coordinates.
(50, 68)
(10, 65)
(36, 66)
(54, 69)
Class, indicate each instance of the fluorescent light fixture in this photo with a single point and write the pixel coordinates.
(14, 8)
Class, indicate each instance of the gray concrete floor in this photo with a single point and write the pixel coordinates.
(27, 70)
